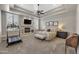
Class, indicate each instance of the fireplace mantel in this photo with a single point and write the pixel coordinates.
(26, 29)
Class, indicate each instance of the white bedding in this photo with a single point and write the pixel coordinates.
(45, 34)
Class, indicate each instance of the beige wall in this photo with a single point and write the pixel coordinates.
(77, 24)
(68, 19)
(4, 7)
(0, 21)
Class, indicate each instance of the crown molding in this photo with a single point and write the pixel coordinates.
(19, 9)
(56, 11)
(60, 10)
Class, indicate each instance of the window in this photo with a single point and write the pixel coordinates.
(12, 18)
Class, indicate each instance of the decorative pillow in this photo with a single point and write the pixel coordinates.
(51, 35)
(55, 29)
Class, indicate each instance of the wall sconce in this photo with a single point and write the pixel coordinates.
(61, 27)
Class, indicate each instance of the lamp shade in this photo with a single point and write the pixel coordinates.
(61, 27)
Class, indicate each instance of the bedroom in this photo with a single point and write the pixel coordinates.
(47, 17)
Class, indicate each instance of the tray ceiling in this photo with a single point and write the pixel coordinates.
(33, 7)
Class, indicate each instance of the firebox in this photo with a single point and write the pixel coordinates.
(27, 30)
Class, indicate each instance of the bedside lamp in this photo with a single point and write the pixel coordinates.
(61, 27)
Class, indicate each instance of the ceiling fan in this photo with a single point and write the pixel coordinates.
(39, 11)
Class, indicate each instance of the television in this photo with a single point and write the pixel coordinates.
(26, 21)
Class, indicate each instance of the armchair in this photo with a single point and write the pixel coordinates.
(72, 41)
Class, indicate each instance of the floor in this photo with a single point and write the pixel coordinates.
(31, 45)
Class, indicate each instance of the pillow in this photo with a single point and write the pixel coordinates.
(62, 35)
(51, 35)
(54, 29)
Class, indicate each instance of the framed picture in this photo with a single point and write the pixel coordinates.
(51, 23)
(55, 23)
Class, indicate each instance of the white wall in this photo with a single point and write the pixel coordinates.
(4, 7)
(3, 23)
(68, 19)
(23, 16)
(0, 21)
(35, 23)
(21, 21)
(77, 24)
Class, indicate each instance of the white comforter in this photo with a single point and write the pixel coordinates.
(44, 34)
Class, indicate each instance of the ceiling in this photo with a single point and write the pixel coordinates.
(33, 7)
(48, 8)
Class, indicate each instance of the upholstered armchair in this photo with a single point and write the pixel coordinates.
(72, 41)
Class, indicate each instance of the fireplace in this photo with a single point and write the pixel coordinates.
(27, 30)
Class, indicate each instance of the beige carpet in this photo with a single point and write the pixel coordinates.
(31, 45)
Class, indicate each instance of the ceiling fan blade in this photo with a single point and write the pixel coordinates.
(41, 13)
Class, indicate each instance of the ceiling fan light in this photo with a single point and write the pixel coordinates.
(37, 11)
